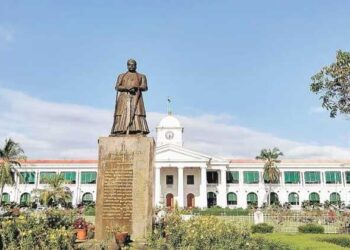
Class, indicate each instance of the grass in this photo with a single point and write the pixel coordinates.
(305, 241)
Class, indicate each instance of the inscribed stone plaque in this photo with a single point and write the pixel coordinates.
(124, 185)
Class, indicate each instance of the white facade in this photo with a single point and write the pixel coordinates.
(188, 178)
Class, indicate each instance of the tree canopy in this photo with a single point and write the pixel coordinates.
(332, 83)
(55, 193)
(271, 172)
(10, 156)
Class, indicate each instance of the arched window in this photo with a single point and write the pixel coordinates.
(169, 200)
(25, 199)
(274, 198)
(5, 198)
(211, 198)
(231, 199)
(334, 198)
(87, 198)
(190, 200)
(293, 199)
(314, 198)
(252, 199)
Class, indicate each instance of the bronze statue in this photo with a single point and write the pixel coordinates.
(130, 113)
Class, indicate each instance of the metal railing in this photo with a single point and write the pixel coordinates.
(290, 224)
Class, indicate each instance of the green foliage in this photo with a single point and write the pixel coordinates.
(56, 193)
(271, 172)
(343, 241)
(262, 228)
(265, 244)
(311, 229)
(10, 156)
(59, 218)
(37, 231)
(217, 211)
(333, 84)
(206, 232)
(90, 211)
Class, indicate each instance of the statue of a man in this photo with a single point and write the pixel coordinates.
(130, 114)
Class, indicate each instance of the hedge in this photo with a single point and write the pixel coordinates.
(262, 228)
(311, 229)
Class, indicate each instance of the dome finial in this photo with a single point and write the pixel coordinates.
(169, 106)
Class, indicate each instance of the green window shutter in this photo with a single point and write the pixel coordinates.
(312, 177)
(292, 177)
(5, 198)
(334, 198)
(314, 198)
(293, 198)
(25, 198)
(252, 198)
(45, 176)
(333, 177)
(347, 174)
(231, 199)
(232, 177)
(251, 177)
(87, 198)
(88, 178)
(27, 178)
(211, 195)
(69, 177)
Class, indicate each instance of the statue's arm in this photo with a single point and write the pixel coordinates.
(143, 86)
(119, 85)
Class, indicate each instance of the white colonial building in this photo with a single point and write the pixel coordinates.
(193, 179)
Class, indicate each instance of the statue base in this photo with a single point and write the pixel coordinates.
(125, 186)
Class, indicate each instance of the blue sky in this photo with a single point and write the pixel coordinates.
(250, 61)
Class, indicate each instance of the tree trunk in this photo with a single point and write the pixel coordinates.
(269, 196)
(1, 192)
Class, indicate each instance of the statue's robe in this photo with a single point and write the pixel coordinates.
(130, 113)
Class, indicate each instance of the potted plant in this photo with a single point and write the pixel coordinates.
(80, 226)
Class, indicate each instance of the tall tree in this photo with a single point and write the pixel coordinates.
(271, 172)
(10, 156)
(333, 85)
(56, 193)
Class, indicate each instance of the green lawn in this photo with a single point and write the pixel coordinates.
(307, 241)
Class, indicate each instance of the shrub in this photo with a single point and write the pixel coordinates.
(35, 232)
(206, 232)
(90, 211)
(218, 211)
(340, 241)
(262, 228)
(311, 229)
(267, 244)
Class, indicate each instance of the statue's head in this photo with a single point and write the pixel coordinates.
(131, 65)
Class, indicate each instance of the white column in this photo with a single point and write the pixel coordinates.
(157, 187)
(222, 201)
(203, 188)
(180, 186)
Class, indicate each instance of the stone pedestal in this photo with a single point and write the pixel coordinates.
(125, 185)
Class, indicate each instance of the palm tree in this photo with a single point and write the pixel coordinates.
(10, 156)
(271, 171)
(56, 193)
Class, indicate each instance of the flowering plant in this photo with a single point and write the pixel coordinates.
(80, 223)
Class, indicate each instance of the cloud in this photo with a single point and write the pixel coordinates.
(6, 35)
(48, 130)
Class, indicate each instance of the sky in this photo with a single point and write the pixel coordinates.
(238, 73)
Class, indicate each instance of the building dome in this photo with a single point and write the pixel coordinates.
(169, 122)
